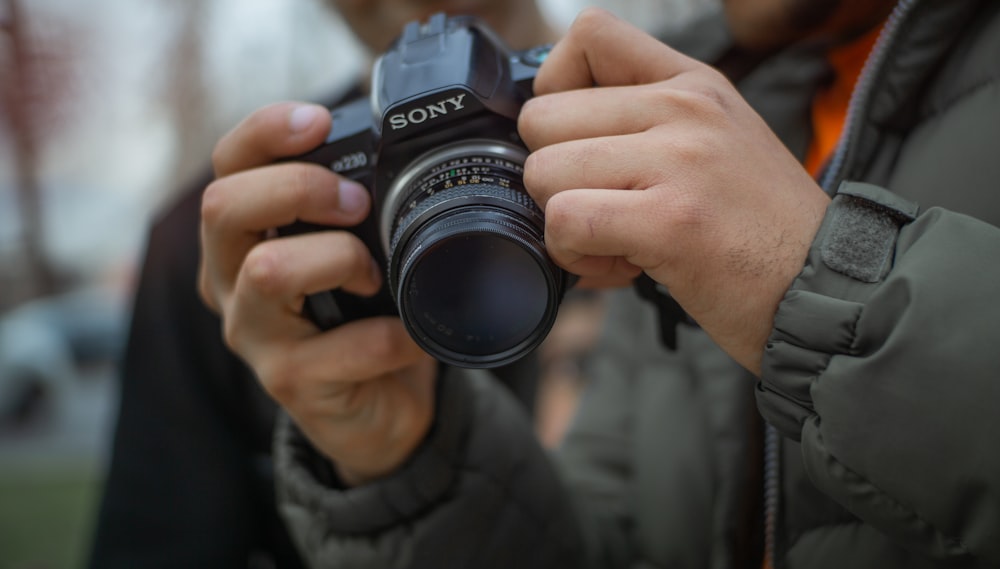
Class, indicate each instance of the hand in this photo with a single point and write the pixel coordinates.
(664, 168)
(362, 392)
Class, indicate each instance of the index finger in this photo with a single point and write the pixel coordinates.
(601, 49)
(276, 131)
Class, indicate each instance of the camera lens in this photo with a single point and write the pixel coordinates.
(467, 262)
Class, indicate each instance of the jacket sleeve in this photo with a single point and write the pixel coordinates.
(572, 507)
(479, 492)
(884, 363)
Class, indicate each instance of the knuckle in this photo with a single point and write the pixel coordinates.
(213, 202)
(588, 20)
(531, 118)
(558, 218)
(302, 180)
(263, 270)
(220, 152)
(712, 94)
(279, 376)
(704, 99)
(308, 186)
(712, 100)
(535, 167)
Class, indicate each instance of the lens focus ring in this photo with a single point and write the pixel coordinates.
(500, 196)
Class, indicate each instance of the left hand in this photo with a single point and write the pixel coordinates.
(363, 392)
(664, 168)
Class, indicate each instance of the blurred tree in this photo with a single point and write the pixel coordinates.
(184, 92)
(35, 81)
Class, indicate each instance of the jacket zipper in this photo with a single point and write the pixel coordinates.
(862, 94)
(859, 102)
(771, 478)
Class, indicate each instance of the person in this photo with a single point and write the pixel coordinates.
(190, 479)
(861, 324)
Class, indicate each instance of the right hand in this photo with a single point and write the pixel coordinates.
(363, 392)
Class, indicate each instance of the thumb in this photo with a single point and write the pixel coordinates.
(276, 131)
(601, 49)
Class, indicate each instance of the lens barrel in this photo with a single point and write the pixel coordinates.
(467, 262)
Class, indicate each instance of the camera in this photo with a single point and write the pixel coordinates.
(460, 240)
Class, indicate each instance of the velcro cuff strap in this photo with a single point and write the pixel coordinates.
(864, 223)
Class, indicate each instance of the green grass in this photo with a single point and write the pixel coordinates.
(46, 516)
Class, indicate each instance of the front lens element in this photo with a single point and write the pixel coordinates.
(476, 293)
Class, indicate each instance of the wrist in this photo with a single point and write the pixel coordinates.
(358, 469)
(380, 437)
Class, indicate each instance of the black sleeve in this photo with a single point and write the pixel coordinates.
(190, 477)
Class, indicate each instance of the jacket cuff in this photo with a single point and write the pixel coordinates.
(853, 251)
(308, 486)
(479, 488)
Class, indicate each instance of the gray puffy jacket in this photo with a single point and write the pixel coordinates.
(879, 444)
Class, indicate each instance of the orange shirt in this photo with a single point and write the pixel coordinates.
(829, 107)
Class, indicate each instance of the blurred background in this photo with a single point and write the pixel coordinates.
(106, 107)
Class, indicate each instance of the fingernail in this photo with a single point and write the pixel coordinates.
(353, 197)
(303, 117)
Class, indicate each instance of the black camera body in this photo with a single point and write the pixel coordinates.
(459, 238)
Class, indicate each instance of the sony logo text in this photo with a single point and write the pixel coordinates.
(421, 114)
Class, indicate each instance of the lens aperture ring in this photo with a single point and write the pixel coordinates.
(500, 196)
